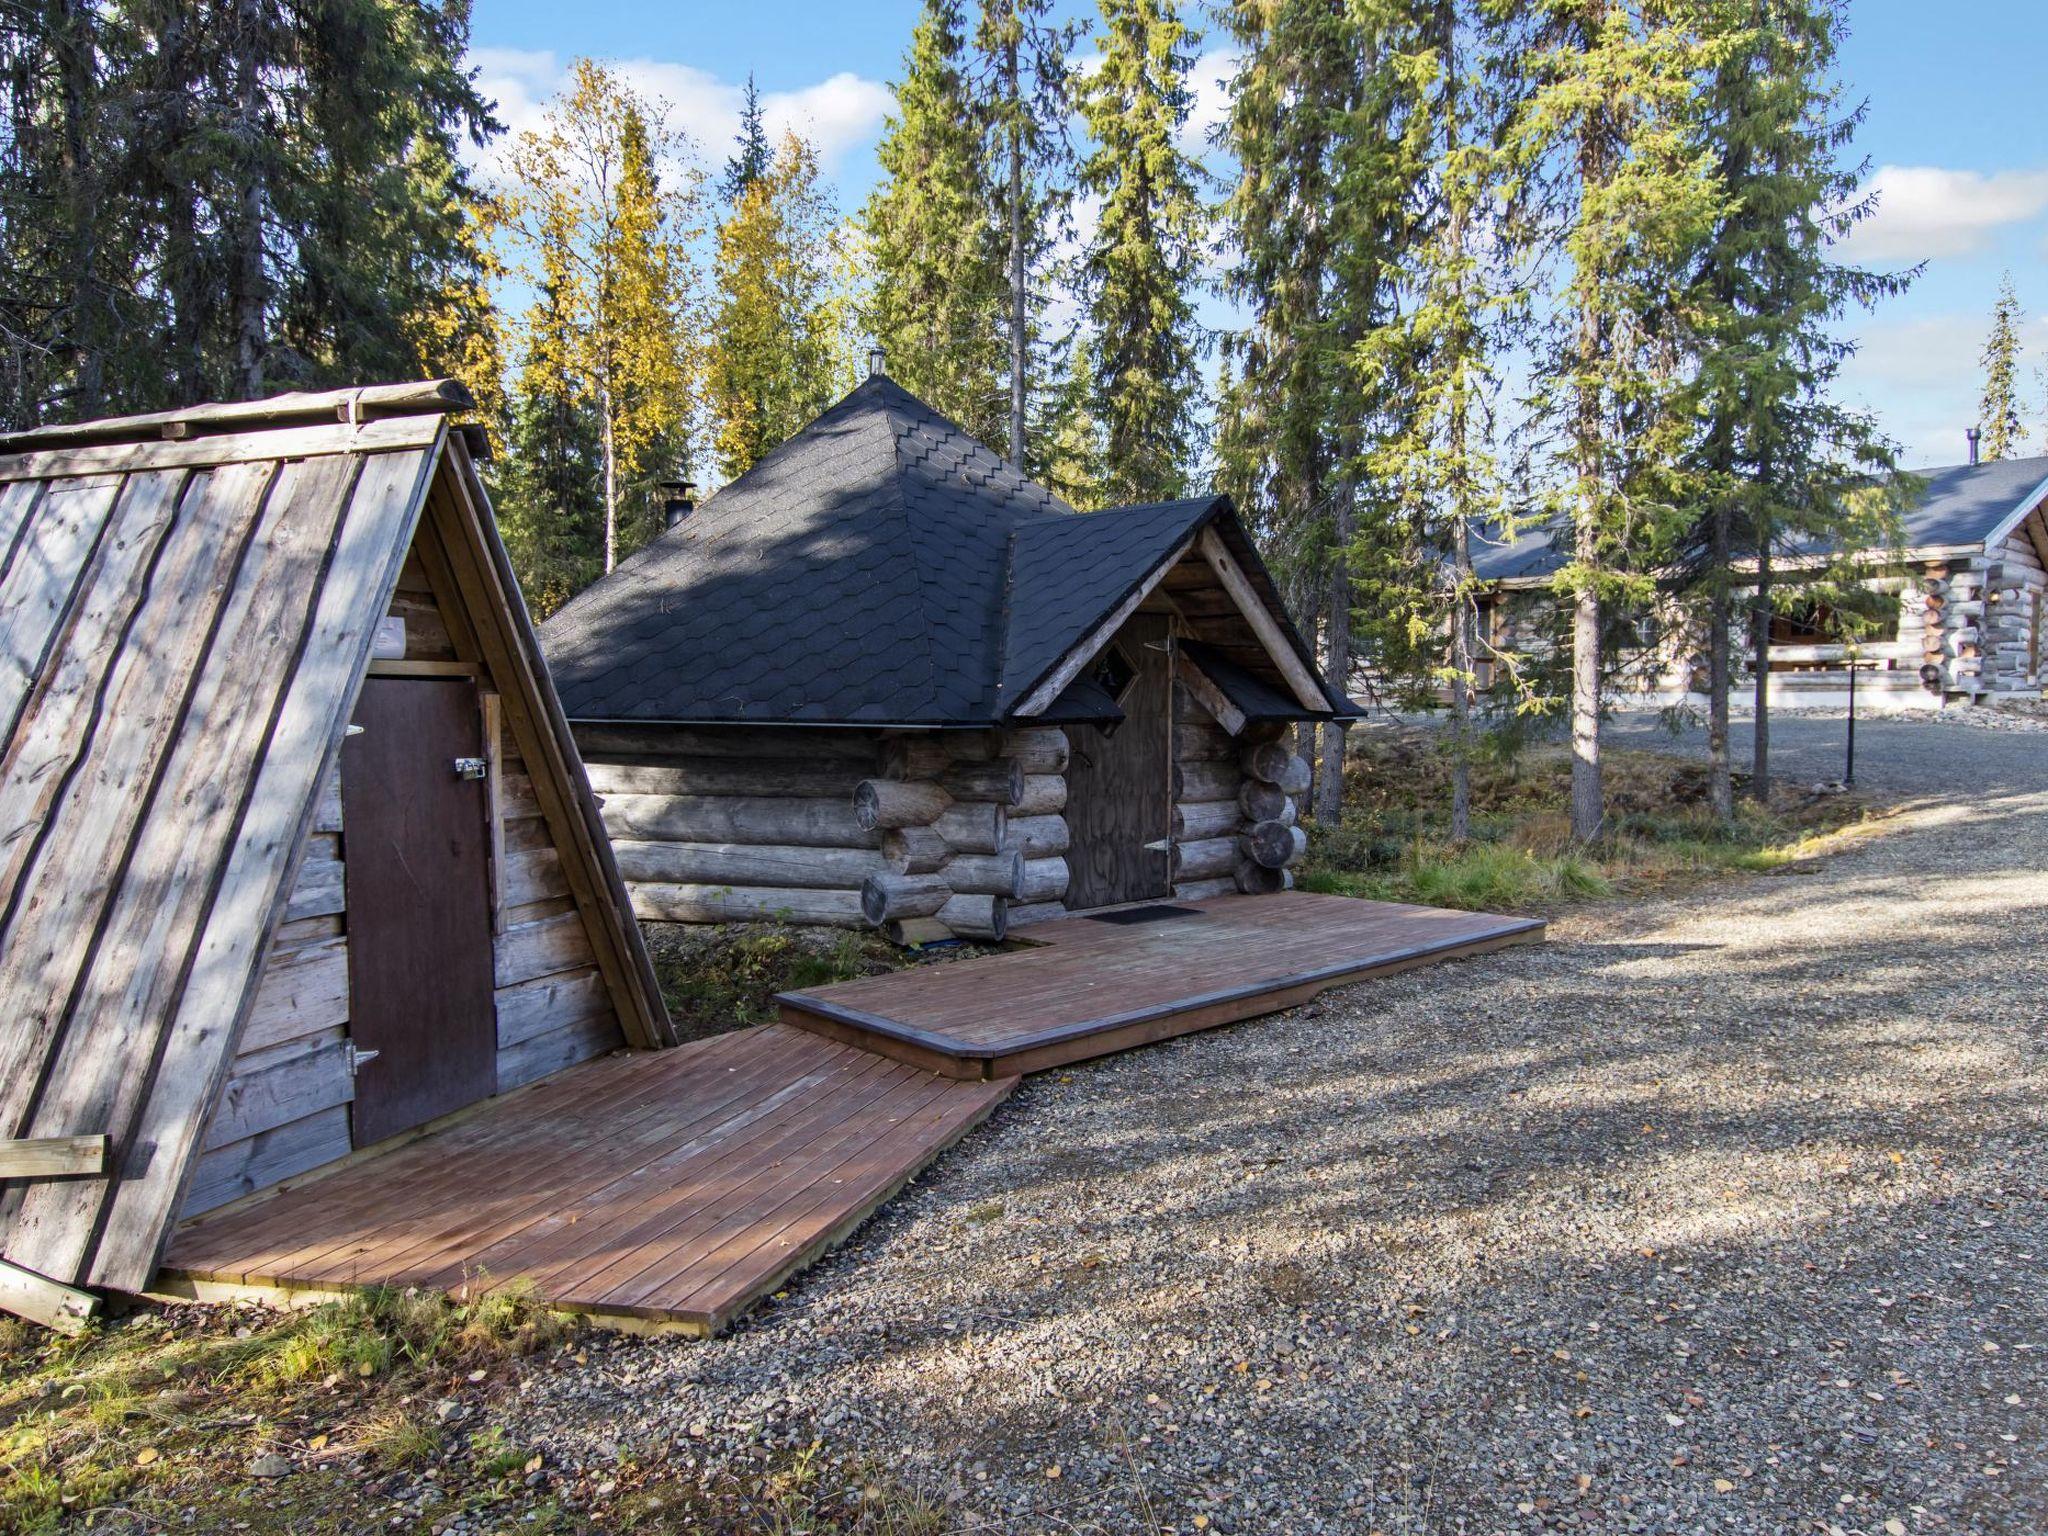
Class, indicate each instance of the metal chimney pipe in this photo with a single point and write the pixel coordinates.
(877, 362)
(1974, 435)
(677, 502)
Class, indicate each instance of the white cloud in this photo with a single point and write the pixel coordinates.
(1210, 78)
(838, 114)
(1926, 211)
(1920, 377)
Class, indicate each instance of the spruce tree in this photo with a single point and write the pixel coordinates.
(1439, 363)
(769, 366)
(1140, 266)
(1317, 217)
(1071, 456)
(207, 200)
(1776, 461)
(937, 293)
(754, 155)
(1998, 411)
(1616, 190)
(1023, 103)
(549, 492)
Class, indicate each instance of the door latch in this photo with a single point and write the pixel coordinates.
(471, 767)
(356, 1058)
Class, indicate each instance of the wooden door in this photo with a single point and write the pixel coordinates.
(416, 857)
(1119, 786)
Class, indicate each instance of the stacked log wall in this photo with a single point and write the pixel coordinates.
(1235, 805)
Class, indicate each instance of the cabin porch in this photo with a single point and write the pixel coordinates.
(1089, 985)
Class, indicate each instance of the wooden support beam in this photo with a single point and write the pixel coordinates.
(53, 1157)
(1263, 624)
(1207, 694)
(42, 1300)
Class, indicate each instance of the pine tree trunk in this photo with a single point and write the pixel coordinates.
(1464, 666)
(1018, 339)
(74, 49)
(1588, 803)
(1329, 801)
(248, 282)
(1760, 648)
(1720, 781)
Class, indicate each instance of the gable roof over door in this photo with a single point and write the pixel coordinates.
(187, 610)
(879, 568)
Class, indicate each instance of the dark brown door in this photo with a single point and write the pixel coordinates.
(416, 860)
(1119, 786)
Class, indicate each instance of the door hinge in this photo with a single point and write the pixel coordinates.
(356, 1057)
(1164, 845)
(471, 767)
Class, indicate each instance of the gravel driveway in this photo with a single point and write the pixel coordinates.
(1720, 1213)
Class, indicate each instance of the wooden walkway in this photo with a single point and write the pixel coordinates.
(679, 1186)
(1089, 986)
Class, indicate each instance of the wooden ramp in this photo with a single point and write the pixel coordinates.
(1088, 986)
(679, 1186)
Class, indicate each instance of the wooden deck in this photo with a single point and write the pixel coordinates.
(1092, 985)
(679, 1186)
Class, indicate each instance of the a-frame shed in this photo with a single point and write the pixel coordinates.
(284, 790)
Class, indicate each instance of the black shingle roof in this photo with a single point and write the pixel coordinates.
(880, 567)
(1960, 504)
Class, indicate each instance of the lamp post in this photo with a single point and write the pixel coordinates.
(1855, 665)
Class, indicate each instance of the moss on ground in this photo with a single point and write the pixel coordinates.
(1393, 843)
(385, 1411)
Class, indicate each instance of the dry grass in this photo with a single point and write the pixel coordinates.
(166, 1410)
(1393, 843)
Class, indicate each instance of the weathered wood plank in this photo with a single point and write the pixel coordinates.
(533, 875)
(528, 950)
(243, 1167)
(319, 891)
(535, 1007)
(304, 990)
(52, 672)
(73, 799)
(42, 1300)
(372, 438)
(280, 1085)
(544, 1054)
(53, 1157)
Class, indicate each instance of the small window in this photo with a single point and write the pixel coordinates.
(1115, 672)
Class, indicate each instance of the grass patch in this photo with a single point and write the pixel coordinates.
(1393, 843)
(175, 1409)
(720, 978)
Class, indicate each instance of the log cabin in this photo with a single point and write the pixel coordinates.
(1959, 609)
(883, 679)
(298, 858)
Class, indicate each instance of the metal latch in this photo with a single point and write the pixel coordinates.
(356, 1057)
(471, 767)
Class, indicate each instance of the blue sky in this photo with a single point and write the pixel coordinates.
(1955, 137)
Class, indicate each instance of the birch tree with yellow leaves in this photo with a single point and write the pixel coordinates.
(605, 202)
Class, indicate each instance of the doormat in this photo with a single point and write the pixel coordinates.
(1143, 914)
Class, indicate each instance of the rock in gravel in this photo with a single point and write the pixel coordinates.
(270, 1464)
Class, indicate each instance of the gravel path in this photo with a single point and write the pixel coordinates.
(1721, 1213)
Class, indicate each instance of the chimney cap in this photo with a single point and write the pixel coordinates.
(1974, 434)
(878, 362)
